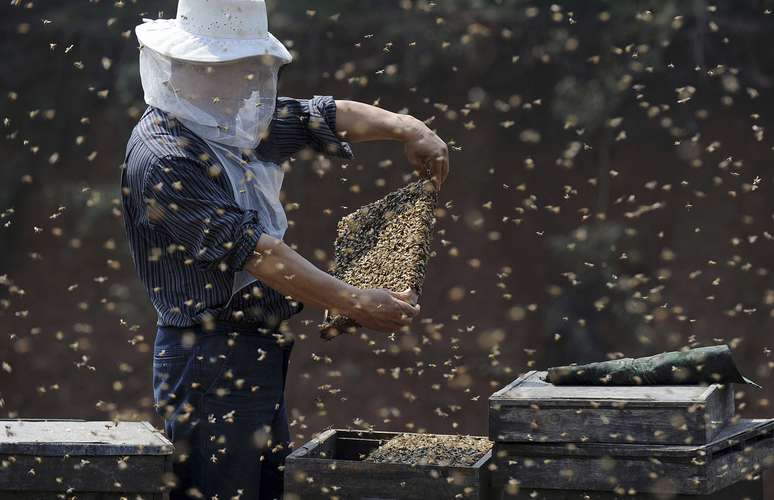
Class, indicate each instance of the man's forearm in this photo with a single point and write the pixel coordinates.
(425, 151)
(284, 270)
(360, 122)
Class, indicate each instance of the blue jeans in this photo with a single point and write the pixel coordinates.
(221, 393)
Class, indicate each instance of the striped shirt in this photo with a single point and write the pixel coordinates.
(187, 235)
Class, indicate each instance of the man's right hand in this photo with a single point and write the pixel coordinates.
(384, 310)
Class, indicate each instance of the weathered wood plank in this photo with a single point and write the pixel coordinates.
(343, 475)
(532, 410)
(735, 434)
(746, 490)
(532, 387)
(599, 425)
(47, 495)
(80, 437)
(596, 473)
(739, 455)
(355, 480)
(83, 473)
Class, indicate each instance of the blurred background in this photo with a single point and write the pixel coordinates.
(610, 196)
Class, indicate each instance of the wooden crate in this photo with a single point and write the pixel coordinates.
(532, 410)
(41, 459)
(331, 465)
(739, 453)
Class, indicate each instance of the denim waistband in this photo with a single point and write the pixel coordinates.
(168, 337)
(224, 327)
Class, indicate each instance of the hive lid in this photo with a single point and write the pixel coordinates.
(80, 437)
(531, 389)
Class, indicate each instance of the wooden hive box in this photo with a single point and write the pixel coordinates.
(739, 453)
(532, 410)
(41, 459)
(331, 466)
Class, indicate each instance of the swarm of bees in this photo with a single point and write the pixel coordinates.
(608, 197)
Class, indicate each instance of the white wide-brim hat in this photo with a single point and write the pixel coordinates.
(213, 31)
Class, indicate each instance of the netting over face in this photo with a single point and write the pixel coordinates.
(230, 103)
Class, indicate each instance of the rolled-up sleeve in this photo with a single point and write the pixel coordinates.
(198, 213)
(299, 123)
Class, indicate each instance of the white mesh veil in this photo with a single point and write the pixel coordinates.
(231, 103)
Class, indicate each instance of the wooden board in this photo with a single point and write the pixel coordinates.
(57, 437)
(746, 490)
(331, 465)
(80, 495)
(739, 453)
(532, 410)
(92, 457)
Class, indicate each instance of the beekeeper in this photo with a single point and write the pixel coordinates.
(202, 212)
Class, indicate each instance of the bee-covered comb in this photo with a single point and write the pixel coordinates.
(385, 244)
